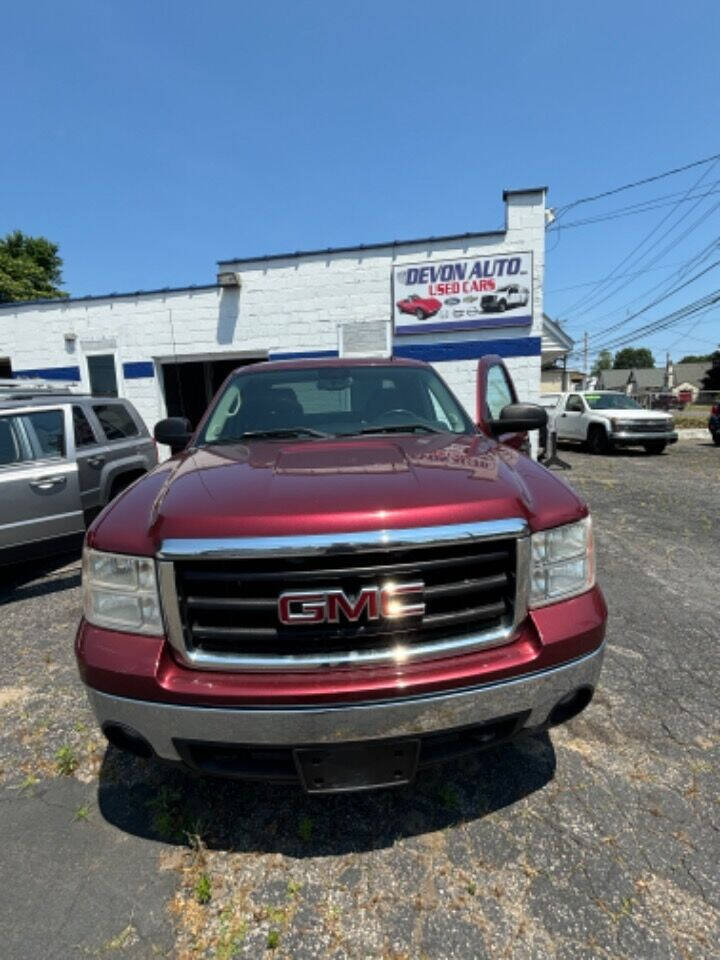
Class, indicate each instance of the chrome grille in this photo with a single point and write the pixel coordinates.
(222, 611)
(645, 426)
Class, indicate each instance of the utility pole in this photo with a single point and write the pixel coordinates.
(586, 372)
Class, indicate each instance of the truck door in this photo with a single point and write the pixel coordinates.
(494, 390)
(570, 423)
(39, 494)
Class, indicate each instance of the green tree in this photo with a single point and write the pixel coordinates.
(696, 358)
(711, 380)
(639, 358)
(603, 361)
(30, 268)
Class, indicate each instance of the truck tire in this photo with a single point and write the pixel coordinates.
(654, 447)
(597, 440)
(502, 306)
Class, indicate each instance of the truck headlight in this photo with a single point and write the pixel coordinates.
(120, 592)
(562, 563)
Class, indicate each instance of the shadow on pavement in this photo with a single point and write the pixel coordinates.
(148, 799)
(39, 578)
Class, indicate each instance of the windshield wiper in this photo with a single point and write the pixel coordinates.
(398, 428)
(278, 432)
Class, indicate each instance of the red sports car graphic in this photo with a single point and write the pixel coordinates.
(421, 307)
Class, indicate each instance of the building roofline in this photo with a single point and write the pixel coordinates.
(58, 301)
(389, 244)
(563, 338)
(517, 193)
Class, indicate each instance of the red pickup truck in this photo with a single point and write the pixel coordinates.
(338, 579)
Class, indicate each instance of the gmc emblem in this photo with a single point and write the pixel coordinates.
(325, 606)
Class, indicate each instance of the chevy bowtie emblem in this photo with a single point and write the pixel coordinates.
(303, 607)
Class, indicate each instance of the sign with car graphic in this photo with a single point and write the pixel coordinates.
(463, 293)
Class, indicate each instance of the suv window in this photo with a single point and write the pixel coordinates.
(574, 404)
(115, 420)
(46, 430)
(84, 435)
(11, 445)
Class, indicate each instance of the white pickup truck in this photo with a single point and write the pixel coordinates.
(603, 420)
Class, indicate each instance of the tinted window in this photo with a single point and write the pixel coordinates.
(574, 405)
(83, 431)
(46, 430)
(103, 379)
(115, 421)
(499, 392)
(11, 446)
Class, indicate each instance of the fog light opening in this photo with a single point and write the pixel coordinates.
(570, 706)
(129, 740)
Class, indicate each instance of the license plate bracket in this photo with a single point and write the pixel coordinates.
(334, 768)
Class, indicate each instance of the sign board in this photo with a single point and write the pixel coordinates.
(370, 339)
(465, 293)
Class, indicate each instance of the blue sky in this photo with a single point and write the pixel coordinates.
(150, 139)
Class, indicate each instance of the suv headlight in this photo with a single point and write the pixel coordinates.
(562, 563)
(120, 592)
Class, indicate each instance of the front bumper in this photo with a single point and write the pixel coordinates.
(626, 438)
(166, 727)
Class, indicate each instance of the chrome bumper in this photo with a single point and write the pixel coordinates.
(161, 724)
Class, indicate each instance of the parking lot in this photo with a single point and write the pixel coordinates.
(601, 839)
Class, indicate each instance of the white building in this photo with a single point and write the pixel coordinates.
(168, 350)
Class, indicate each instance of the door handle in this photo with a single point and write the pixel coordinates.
(97, 461)
(47, 483)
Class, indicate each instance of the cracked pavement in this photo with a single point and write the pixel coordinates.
(598, 840)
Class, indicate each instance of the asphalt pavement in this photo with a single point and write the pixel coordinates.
(599, 840)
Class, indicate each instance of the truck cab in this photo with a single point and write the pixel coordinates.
(339, 578)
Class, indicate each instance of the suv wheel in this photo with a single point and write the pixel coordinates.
(655, 446)
(598, 440)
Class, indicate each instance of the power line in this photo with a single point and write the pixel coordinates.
(561, 211)
(654, 303)
(662, 323)
(645, 239)
(634, 209)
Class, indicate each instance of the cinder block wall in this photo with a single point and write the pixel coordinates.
(284, 307)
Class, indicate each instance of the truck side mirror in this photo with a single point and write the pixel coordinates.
(174, 432)
(519, 418)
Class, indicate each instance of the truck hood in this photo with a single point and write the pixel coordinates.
(273, 488)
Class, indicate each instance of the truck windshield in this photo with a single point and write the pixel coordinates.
(611, 401)
(308, 402)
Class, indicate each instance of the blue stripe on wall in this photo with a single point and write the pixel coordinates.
(431, 352)
(470, 349)
(49, 373)
(137, 369)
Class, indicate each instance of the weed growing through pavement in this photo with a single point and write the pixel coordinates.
(66, 761)
(203, 889)
(82, 813)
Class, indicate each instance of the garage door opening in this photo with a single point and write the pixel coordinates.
(189, 385)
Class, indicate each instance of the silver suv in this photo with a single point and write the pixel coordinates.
(62, 458)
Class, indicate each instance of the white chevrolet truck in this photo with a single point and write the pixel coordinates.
(604, 419)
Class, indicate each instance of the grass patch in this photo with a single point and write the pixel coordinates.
(202, 890)
(66, 761)
(273, 939)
